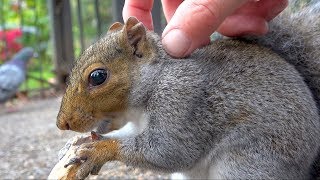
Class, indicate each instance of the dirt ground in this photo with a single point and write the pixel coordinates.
(30, 141)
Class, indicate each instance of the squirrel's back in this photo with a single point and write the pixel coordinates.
(246, 80)
(296, 38)
(238, 92)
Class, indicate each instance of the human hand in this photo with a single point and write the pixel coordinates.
(191, 22)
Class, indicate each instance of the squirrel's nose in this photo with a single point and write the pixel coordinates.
(62, 123)
(63, 126)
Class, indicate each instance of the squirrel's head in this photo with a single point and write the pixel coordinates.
(101, 79)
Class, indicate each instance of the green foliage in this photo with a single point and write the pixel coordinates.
(89, 21)
(32, 17)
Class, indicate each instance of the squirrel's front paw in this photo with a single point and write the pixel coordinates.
(90, 157)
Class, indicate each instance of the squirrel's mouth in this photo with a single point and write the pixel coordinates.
(103, 126)
(111, 115)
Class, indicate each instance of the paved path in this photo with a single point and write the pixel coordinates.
(30, 141)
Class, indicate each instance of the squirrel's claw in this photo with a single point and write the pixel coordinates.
(95, 136)
(75, 160)
(90, 157)
(86, 159)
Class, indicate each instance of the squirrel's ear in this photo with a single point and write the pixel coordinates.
(135, 32)
(115, 26)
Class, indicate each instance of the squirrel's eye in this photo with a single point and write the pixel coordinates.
(98, 77)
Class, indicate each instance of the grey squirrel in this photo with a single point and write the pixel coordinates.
(238, 108)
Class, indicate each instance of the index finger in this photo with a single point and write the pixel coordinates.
(193, 22)
(141, 9)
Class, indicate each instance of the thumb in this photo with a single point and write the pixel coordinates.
(193, 23)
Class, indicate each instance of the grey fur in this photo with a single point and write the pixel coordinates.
(296, 38)
(238, 108)
(243, 109)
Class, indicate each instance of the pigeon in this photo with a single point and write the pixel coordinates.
(13, 73)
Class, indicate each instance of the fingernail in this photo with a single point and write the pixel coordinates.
(176, 43)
